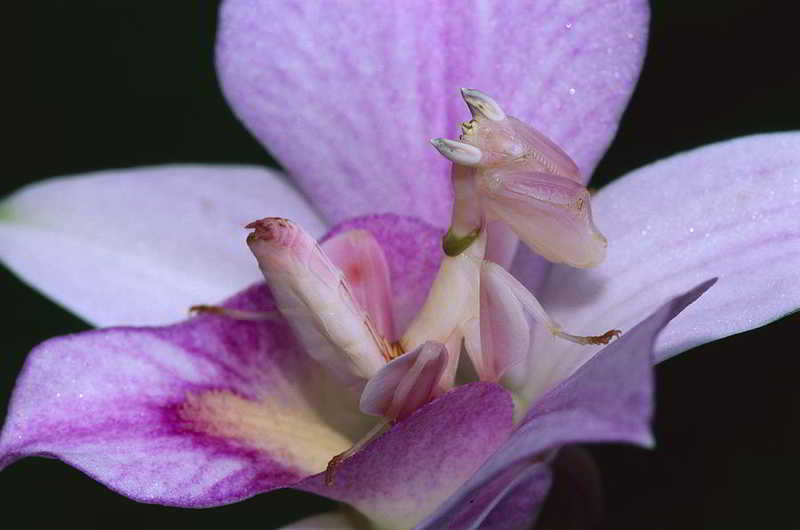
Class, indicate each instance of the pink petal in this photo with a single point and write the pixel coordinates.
(311, 294)
(202, 413)
(359, 256)
(406, 383)
(501, 243)
(406, 473)
(140, 246)
(347, 94)
(728, 210)
(609, 399)
(413, 251)
(504, 329)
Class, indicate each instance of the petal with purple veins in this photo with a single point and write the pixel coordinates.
(346, 94)
(202, 413)
(206, 412)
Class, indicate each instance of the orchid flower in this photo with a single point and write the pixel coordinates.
(216, 409)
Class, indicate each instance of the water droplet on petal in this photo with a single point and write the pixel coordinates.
(571, 91)
(568, 26)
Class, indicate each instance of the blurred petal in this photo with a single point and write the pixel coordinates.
(140, 246)
(609, 399)
(359, 256)
(413, 251)
(324, 521)
(550, 214)
(405, 383)
(407, 472)
(728, 210)
(202, 413)
(576, 499)
(347, 94)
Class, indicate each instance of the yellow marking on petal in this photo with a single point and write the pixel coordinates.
(290, 433)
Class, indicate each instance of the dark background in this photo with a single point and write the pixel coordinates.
(110, 83)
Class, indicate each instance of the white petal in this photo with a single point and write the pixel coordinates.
(729, 210)
(139, 246)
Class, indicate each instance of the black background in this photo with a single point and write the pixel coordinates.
(101, 84)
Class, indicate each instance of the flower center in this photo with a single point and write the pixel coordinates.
(509, 182)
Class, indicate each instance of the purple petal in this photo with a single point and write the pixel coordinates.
(201, 413)
(728, 210)
(413, 251)
(140, 246)
(511, 500)
(519, 504)
(405, 473)
(347, 94)
(609, 399)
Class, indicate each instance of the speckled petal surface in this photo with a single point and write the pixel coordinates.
(140, 246)
(609, 399)
(728, 210)
(405, 473)
(346, 94)
(201, 413)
